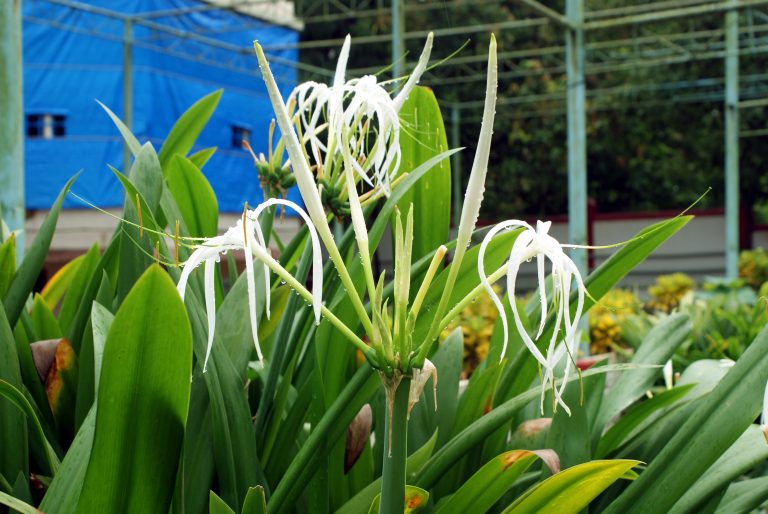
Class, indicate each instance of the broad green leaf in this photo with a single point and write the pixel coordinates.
(415, 499)
(255, 503)
(7, 263)
(142, 402)
(44, 324)
(479, 430)
(657, 348)
(17, 398)
(488, 485)
(744, 497)
(194, 197)
(218, 506)
(13, 423)
(201, 157)
(748, 452)
(716, 423)
(133, 144)
(57, 285)
(184, 133)
(571, 490)
(422, 136)
(76, 290)
(633, 420)
(25, 277)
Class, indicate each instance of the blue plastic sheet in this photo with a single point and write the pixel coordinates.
(73, 57)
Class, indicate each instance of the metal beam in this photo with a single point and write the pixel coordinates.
(577, 133)
(731, 108)
(670, 14)
(11, 121)
(547, 12)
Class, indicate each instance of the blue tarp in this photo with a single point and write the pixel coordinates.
(72, 58)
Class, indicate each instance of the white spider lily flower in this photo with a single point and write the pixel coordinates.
(246, 235)
(539, 244)
(358, 107)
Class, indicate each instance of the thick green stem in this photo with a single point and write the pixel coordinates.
(395, 452)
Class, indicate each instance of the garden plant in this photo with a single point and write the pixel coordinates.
(145, 377)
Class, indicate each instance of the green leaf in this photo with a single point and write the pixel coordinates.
(415, 499)
(142, 401)
(58, 284)
(571, 490)
(200, 158)
(17, 398)
(194, 197)
(77, 288)
(748, 452)
(133, 144)
(744, 497)
(13, 424)
(25, 277)
(488, 485)
(255, 503)
(716, 423)
(479, 430)
(184, 133)
(218, 506)
(16, 504)
(634, 418)
(43, 321)
(7, 263)
(421, 138)
(657, 348)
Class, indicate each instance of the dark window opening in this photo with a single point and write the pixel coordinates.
(240, 134)
(46, 126)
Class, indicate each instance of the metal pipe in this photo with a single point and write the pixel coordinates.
(670, 14)
(731, 108)
(127, 87)
(577, 133)
(398, 43)
(12, 121)
(547, 12)
(456, 199)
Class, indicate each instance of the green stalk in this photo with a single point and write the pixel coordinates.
(393, 472)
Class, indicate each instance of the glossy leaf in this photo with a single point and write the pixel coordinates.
(415, 499)
(142, 401)
(744, 497)
(188, 127)
(76, 290)
(7, 263)
(422, 137)
(571, 490)
(488, 485)
(716, 423)
(133, 144)
(194, 197)
(13, 424)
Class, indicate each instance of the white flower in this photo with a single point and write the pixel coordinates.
(352, 111)
(539, 244)
(246, 235)
(669, 375)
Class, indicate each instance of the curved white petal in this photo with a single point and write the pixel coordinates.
(210, 306)
(418, 71)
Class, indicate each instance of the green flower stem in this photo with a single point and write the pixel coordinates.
(395, 452)
(299, 288)
(477, 291)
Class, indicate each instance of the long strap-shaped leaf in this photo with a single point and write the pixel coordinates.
(720, 418)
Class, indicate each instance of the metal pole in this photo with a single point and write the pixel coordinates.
(127, 87)
(456, 165)
(398, 42)
(732, 141)
(577, 130)
(11, 121)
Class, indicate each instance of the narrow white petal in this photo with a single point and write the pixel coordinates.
(668, 373)
(251, 281)
(540, 263)
(764, 416)
(210, 306)
(341, 65)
